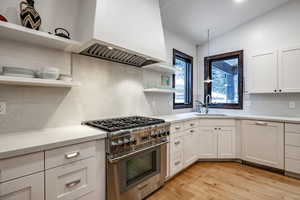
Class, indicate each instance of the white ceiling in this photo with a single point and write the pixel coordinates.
(192, 18)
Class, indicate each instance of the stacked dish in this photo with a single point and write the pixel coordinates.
(18, 72)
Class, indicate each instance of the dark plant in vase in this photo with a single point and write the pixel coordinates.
(30, 18)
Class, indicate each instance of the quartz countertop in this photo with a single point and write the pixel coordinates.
(193, 115)
(15, 144)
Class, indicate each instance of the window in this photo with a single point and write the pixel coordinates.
(224, 80)
(183, 80)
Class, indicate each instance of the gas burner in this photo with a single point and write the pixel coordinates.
(117, 124)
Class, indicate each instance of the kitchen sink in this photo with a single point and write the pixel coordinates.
(211, 115)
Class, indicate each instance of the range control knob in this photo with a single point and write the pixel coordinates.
(113, 143)
(120, 142)
(132, 140)
(126, 141)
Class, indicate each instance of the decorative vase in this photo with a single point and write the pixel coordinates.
(30, 18)
(2, 18)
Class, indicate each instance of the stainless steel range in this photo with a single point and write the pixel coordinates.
(136, 156)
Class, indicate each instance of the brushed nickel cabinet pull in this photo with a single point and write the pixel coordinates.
(73, 183)
(192, 131)
(72, 155)
(177, 163)
(142, 187)
(177, 143)
(261, 123)
(177, 128)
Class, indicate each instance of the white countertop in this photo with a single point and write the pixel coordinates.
(193, 115)
(14, 144)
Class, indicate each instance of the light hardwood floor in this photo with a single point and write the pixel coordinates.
(228, 181)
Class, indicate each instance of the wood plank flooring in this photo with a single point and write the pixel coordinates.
(228, 181)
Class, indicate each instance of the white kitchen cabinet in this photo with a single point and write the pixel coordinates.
(26, 188)
(263, 143)
(216, 142)
(226, 142)
(71, 181)
(207, 143)
(289, 61)
(263, 72)
(190, 148)
(176, 154)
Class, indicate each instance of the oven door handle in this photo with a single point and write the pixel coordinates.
(135, 152)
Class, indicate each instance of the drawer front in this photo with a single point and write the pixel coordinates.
(177, 162)
(292, 165)
(177, 127)
(292, 152)
(217, 122)
(26, 188)
(21, 166)
(191, 124)
(177, 144)
(65, 155)
(294, 128)
(71, 181)
(292, 139)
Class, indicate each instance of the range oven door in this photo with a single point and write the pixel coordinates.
(127, 174)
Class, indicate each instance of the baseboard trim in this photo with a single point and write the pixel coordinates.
(292, 174)
(271, 169)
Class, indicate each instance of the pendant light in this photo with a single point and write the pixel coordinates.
(208, 80)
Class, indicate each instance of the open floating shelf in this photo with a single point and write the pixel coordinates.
(9, 80)
(159, 90)
(22, 34)
(161, 67)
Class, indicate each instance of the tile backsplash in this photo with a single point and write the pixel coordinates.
(107, 90)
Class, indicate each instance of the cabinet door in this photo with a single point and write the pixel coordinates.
(289, 69)
(226, 142)
(26, 188)
(176, 154)
(263, 72)
(207, 143)
(190, 147)
(263, 143)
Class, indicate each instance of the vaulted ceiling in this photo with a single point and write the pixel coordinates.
(192, 18)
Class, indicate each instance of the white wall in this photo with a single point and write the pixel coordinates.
(108, 89)
(179, 43)
(278, 28)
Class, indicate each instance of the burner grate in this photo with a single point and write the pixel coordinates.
(117, 124)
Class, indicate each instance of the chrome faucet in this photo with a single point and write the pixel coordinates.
(207, 102)
(199, 104)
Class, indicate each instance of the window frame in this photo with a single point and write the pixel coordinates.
(188, 83)
(207, 76)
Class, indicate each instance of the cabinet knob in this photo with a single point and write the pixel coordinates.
(275, 90)
(280, 90)
(177, 143)
(177, 163)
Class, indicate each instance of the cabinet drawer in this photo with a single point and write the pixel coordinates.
(292, 165)
(177, 144)
(177, 127)
(217, 122)
(292, 152)
(16, 167)
(292, 139)
(177, 162)
(65, 155)
(71, 181)
(294, 128)
(26, 188)
(191, 124)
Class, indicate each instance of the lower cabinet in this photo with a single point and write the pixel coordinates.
(263, 143)
(216, 142)
(26, 188)
(190, 147)
(71, 181)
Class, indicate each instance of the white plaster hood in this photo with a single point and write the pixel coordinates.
(128, 31)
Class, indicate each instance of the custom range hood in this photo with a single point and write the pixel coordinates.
(123, 31)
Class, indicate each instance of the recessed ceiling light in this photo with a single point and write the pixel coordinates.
(239, 1)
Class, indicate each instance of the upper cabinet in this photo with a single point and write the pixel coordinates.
(263, 72)
(274, 71)
(289, 69)
(128, 32)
